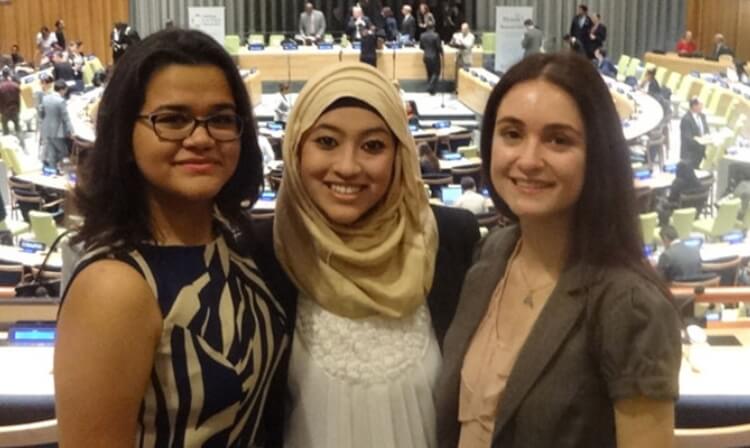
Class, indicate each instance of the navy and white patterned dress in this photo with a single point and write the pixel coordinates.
(223, 337)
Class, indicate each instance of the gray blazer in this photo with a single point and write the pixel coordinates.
(532, 41)
(313, 25)
(55, 118)
(603, 335)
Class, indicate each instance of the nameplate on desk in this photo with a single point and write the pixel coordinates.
(47, 171)
(275, 126)
(393, 45)
(642, 174)
(325, 46)
(733, 237)
(670, 168)
(289, 46)
(442, 124)
(447, 155)
(42, 333)
(256, 47)
(357, 45)
(31, 246)
(267, 196)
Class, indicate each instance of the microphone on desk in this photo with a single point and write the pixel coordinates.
(394, 63)
(341, 54)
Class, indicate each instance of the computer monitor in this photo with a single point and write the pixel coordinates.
(450, 194)
(450, 155)
(693, 242)
(268, 195)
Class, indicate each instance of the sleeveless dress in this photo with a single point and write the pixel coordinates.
(222, 340)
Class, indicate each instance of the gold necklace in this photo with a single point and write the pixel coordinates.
(528, 299)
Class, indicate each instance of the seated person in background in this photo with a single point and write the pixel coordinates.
(470, 199)
(428, 161)
(685, 181)
(16, 56)
(63, 69)
(411, 113)
(686, 45)
(571, 43)
(357, 22)
(281, 113)
(650, 84)
(605, 66)
(678, 261)
(720, 47)
(312, 25)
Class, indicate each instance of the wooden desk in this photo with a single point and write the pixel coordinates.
(472, 91)
(16, 255)
(276, 64)
(674, 63)
(58, 183)
(253, 85)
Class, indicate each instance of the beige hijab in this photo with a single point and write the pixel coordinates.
(382, 264)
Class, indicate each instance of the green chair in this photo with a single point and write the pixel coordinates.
(673, 81)
(648, 226)
(328, 37)
(622, 65)
(488, 43)
(96, 64)
(661, 75)
(274, 40)
(14, 227)
(682, 220)
(43, 227)
(232, 43)
(87, 72)
(256, 38)
(723, 223)
(344, 41)
(633, 67)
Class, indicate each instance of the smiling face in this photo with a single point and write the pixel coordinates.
(538, 151)
(197, 167)
(346, 163)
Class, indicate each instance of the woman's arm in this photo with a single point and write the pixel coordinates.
(644, 423)
(108, 330)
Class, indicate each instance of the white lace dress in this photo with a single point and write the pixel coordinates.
(365, 383)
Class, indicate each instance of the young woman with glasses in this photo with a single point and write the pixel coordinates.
(167, 336)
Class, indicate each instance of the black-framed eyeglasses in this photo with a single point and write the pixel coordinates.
(177, 126)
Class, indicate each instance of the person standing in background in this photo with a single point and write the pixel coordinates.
(425, 19)
(45, 41)
(56, 129)
(10, 104)
(463, 40)
(408, 26)
(605, 66)
(357, 22)
(598, 34)
(60, 34)
(432, 47)
(368, 51)
(390, 25)
(692, 125)
(312, 25)
(686, 45)
(580, 28)
(532, 38)
(720, 47)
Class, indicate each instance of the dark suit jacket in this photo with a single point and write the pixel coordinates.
(458, 233)
(600, 37)
(689, 148)
(680, 262)
(604, 334)
(431, 45)
(409, 26)
(351, 27)
(607, 68)
(64, 71)
(722, 49)
(581, 32)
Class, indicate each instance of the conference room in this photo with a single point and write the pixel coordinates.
(287, 328)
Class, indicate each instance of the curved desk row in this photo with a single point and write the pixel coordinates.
(639, 112)
(277, 64)
(683, 65)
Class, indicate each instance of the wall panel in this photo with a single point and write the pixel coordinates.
(87, 20)
(731, 18)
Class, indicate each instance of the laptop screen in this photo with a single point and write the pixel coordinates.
(450, 194)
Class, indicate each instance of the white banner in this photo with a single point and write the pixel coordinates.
(210, 20)
(509, 32)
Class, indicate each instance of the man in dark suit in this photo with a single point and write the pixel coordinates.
(693, 124)
(678, 261)
(532, 38)
(432, 47)
(580, 28)
(56, 129)
(720, 47)
(357, 23)
(598, 34)
(408, 26)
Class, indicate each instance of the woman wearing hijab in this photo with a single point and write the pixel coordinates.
(376, 270)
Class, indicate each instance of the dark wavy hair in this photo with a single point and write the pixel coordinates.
(111, 193)
(605, 229)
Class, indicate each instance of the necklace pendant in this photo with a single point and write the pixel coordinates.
(529, 301)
